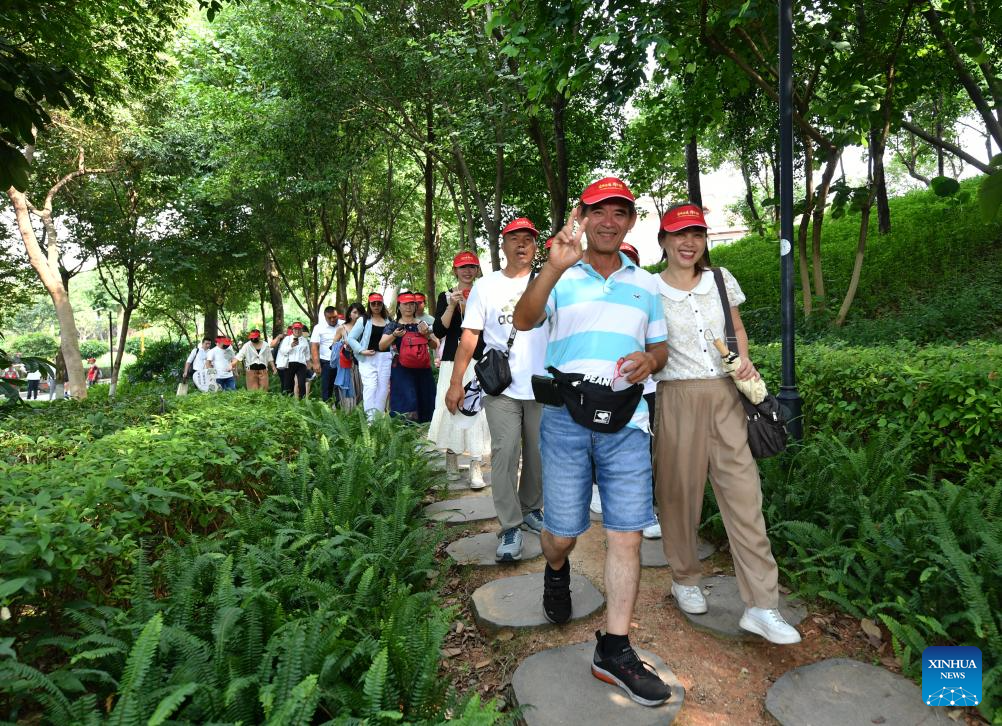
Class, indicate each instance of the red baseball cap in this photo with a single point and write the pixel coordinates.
(226, 341)
(608, 188)
(549, 243)
(465, 258)
(288, 331)
(686, 215)
(375, 297)
(419, 297)
(254, 334)
(630, 251)
(297, 325)
(407, 297)
(520, 223)
(91, 360)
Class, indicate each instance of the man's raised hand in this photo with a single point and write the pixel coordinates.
(566, 249)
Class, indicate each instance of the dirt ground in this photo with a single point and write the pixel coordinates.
(725, 680)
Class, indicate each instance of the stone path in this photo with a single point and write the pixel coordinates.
(556, 688)
(843, 692)
(473, 508)
(652, 552)
(724, 609)
(480, 549)
(517, 602)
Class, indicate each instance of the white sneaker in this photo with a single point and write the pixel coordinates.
(770, 624)
(452, 466)
(596, 500)
(689, 598)
(652, 532)
(476, 476)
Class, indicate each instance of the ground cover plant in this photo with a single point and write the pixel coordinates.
(266, 569)
(934, 277)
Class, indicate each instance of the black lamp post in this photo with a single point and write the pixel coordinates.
(788, 394)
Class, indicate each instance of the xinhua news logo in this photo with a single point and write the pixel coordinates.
(951, 675)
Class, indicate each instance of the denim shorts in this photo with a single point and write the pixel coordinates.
(620, 463)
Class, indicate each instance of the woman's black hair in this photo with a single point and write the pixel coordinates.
(354, 306)
(368, 310)
(703, 263)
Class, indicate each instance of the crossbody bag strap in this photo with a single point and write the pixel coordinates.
(511, 338)
(729, 337)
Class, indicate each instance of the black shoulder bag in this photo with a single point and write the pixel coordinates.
(767, 433)
(493, 370)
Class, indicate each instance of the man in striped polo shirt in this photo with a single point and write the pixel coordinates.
(603, 315)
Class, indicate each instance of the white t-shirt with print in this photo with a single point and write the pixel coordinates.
(490, 308)
(220, 362)
(695, 317)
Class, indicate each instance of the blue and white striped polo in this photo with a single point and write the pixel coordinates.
(594, 321)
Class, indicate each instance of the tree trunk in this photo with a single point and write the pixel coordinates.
(116, 367)
(749, 190)
(429, 208)
(877, 146)
(559, 106)
(692, 172)
(552, 187)
(275, 295)
(820, 202)
(805, 273)
(69, 339)
(857, 267)
(210, 325)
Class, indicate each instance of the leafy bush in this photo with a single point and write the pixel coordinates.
(92, 349)
(850, 523)
(309, 605)
(39, 345)
(162, 362)
(946, 399)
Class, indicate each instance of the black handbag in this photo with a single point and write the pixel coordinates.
(767, 434)
(595, 405)
(493, 370)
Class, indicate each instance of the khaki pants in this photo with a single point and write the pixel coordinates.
(257, 380)
(701, 430)
(514, 427)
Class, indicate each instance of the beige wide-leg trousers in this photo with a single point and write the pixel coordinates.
(700, 430)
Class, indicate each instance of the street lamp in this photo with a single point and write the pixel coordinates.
(788, 396)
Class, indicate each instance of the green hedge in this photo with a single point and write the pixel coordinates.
(947, 399)
(254, 560)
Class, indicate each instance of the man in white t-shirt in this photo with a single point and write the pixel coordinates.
(512, 417)
(196, 359)
(219, 360)
(321, 340)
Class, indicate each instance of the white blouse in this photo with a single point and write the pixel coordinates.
(695, 317)
(298, 353)
(252, 356)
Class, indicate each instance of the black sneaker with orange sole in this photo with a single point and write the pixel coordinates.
(625, 669)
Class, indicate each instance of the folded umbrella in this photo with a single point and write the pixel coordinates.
(754, 388)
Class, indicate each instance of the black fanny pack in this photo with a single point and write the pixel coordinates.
(257, 366)
(593, 404)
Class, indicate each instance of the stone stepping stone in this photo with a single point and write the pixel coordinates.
(652, 552)
(725, 609)
(844, 692)
(517, 602)
(464, 510)
(479, 549)
(556, 688)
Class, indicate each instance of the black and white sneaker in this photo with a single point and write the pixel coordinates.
(625, 669)
(557, 594)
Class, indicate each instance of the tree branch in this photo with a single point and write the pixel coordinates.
(946, 146)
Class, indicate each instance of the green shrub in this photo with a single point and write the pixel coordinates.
(947, 399)
(39, 345)
(310, 605)
(92, 349)
(162, 362)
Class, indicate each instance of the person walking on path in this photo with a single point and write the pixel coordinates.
(219, 361)
(321, 342)
(281, 357)
(196, 358)
(373, 364)
(513, 416)
(420, 313)
(34, 379)
(412, 385)
(93, 373)
(346, 377)
(604, 322)
(701, 430)
(447, 431)
(296, 350)
(256, 356)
